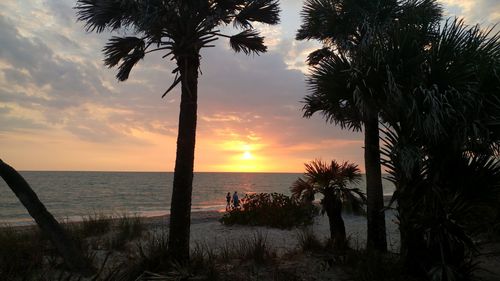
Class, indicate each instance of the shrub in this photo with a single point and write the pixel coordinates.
(271, 209)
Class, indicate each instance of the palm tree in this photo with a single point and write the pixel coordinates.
(347, 79)
(332, 181)
(180, 29)
(442, 144)
(72, 256)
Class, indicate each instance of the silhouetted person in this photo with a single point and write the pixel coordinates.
(228, 199)
(236, 200)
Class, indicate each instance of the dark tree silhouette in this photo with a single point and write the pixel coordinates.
(48, 224)
(332, 181)
(442, 143)
(347, 80)
(180, 29)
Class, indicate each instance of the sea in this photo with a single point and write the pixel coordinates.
(71, 196)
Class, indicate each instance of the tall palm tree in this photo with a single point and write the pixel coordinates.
(180, 29)
(347, 78)
(72, 256)
(332, 180)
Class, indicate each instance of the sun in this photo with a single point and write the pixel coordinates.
(247, 155)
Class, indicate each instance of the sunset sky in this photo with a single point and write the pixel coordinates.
(62, 109)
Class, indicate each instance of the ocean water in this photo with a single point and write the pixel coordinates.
(71, 195)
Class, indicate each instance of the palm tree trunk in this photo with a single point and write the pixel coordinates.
(333, 208)
(180, 212)
(44, 219)
(375, 197)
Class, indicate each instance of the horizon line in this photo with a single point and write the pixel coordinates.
(160, 171)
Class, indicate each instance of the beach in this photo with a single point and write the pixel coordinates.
(288, 257)
(207, 230)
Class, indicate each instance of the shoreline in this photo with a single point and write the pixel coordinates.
(196, 212)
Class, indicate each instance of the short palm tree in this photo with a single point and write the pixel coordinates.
(179, 29)
(347, 78)
(332, 180)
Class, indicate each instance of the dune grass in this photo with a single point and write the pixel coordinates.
(95, 224)
(21, 253)
(26, 254)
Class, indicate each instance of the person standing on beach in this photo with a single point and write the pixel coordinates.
(236, 200)
(228, 199)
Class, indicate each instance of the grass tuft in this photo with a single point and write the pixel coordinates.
(308, 241)
(95, 224)
(127, 229)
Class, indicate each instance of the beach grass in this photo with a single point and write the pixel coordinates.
(21, 253)
(241, 253)
(125, 229)
(95, 224)
(308, 240)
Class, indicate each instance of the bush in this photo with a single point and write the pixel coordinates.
(271, 209)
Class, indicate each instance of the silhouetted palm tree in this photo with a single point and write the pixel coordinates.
(347, 80)
(442, 144)
(180, 29)
(72, 256)
(332, 181)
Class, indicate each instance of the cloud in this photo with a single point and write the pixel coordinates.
(484, 12)
(52, 79)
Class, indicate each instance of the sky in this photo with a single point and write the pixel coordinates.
(62, 109)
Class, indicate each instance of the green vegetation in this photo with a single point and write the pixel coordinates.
(271, 209)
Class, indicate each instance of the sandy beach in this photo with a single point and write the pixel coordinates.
(207, 230)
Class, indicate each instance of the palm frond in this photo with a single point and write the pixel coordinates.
(332, 94)
(101, 14)
(315, 57)
(423, 14)
(353, 201)
(263, 11)
(317, 17)
(248, 41)
(118, 48)
(349, 172)
(128, 63)
(301, 189)
(318, 172)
